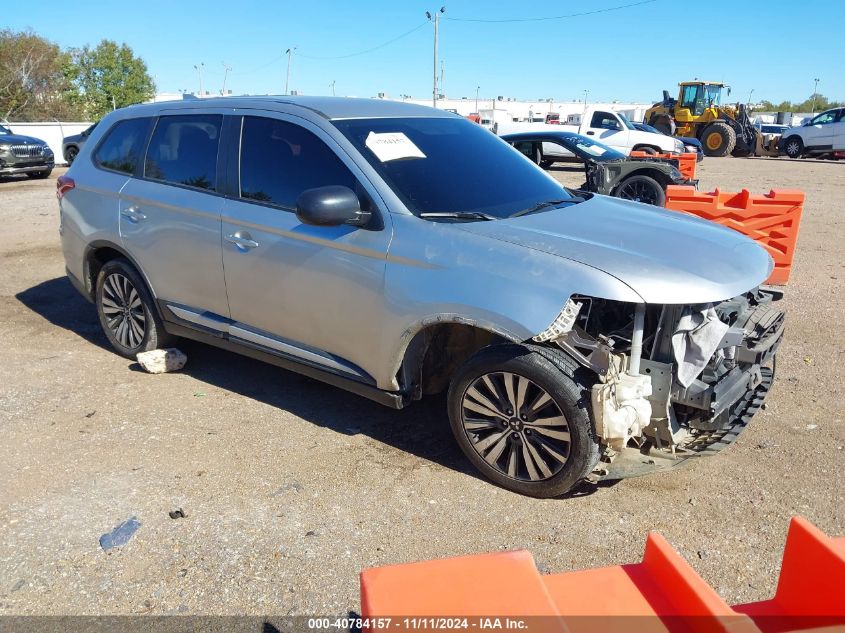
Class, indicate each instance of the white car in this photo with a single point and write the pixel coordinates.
(822, 134)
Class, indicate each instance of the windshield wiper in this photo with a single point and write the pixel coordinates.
(545, 205)
(459, 215)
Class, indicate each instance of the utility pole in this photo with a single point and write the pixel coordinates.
(477, 88)
(751, 92)
(586, 92)
(225, 76)
(436, 20)
(289, 53)
(334, 81)
(199, 74)
(815, 92)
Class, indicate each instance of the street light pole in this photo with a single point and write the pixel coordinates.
(477, 88)
(586, 92)
(225, 76)
(750, 92)
(333, 83)
(815, 92)
(436, 20)
(289, 53)
(199, 74)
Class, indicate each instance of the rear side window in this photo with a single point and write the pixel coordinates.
(123, 146)
(183, 150)
(280, 160)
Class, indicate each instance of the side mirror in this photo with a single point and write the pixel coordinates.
(330, 206)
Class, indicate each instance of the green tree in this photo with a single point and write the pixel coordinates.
(109, 76)
(820, 104)
(34, 84)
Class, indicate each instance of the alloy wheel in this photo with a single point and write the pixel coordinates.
(515, 426)
(638, 191)
(123, 310)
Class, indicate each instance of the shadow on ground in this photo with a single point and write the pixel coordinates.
(422, 429)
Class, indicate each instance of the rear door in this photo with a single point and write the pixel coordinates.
(606, 128)
(820, 131)
(312, 292)
(170, 212)
(839, 132)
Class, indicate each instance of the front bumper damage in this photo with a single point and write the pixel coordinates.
(647, 416)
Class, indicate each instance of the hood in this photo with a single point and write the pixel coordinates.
(664, 256)
(20, 139)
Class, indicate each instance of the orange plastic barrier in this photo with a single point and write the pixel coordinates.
(685, 162)
(771, 219)
(663, 587)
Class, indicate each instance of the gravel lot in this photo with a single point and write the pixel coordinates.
(290, 487)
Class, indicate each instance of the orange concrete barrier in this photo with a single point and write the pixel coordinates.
(771, 219)
(685, 162)
(661, 594)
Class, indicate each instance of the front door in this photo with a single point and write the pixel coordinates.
(606, 128)
(170, 218)
(313, 292)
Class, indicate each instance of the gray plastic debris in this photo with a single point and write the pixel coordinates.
(160, 361)
(121, 534)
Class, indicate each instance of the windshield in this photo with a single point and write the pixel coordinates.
(626, 121)
(713, 94)
(446, 165)
(586, 148)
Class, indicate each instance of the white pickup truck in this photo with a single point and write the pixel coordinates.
(605, 126)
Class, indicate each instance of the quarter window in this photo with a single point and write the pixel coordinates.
(123, 146)
(183, 150)
(280, 160)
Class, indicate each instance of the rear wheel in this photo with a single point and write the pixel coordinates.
(719, 139)
(664, 125)
(70, 154)
(522, 418)
(642, 189)
(794, 147)
(126, 310)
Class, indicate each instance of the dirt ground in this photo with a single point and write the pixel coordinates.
(291, 487)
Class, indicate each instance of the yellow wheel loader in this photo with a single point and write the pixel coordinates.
(697, 112)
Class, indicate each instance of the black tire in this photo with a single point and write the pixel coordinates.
(115, 283)
(793, 147)
(641, 189)
(718, 139)
(70, 154)
(646, 150)
(567, 399)
(546, 164)
(38, 175)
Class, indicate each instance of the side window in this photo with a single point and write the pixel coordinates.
(824, 118)
(604, 120)
(280, 160)
(183, 150)
(123, 146)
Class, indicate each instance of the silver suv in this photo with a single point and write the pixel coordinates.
(399, 251)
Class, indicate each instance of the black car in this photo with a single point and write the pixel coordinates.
(608, 171)
(21, 154)
(72, 144)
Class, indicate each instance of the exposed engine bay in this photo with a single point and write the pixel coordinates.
(674, 381)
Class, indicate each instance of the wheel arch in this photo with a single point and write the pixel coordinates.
(97, 254)
(437, 346)
(662, 178)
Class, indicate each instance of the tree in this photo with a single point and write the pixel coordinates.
(107, 77)
(33, 83)
(819, 104)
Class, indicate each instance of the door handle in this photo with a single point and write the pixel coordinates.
(590, 133)
(242, 240)
(133, 215)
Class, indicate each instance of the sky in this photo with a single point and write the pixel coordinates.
(616, 52)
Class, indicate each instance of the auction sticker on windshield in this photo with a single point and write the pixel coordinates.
(389, 146)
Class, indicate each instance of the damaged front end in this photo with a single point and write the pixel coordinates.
(673, 381)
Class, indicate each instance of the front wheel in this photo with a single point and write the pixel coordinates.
(523, 419)
(642, 189)
(126, 310)
(70, 154)
(794, 147)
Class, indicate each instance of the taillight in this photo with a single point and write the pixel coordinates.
(63, 185)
